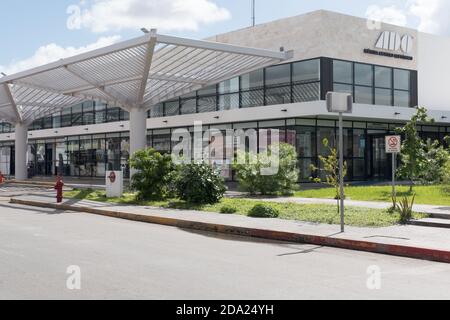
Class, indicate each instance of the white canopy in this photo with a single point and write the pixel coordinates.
(138, 73)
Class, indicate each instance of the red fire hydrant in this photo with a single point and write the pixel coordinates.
(59, 189)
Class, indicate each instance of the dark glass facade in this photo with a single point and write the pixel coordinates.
(302, 81)
(92, 155)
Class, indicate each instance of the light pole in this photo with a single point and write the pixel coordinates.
(340, 103)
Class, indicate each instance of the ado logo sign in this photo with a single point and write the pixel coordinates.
(392, 41)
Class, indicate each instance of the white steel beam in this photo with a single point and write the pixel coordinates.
(148, 63)
(116, 100)
(13, 103)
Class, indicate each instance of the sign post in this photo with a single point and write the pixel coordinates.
(340, 103)
(114, 184)
(393, 146)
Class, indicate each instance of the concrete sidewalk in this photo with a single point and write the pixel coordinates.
(407, 241)
(419, 208)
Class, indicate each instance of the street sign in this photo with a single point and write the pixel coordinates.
(114, 184)
(393, 144)
(340, 103)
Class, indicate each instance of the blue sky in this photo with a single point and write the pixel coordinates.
(37, 31)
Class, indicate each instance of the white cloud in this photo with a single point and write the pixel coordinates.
(433, 15)
(53, 52)
(166, 15)
(391, 15)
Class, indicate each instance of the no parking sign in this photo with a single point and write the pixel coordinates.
(393, 144)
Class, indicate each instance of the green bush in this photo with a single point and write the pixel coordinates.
(249, 172)
(405, 208)
(154, 174)
(199, 184)
(228, 209)
(263, 211)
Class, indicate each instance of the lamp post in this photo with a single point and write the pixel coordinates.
(340, 103)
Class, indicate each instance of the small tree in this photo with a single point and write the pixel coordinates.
(436, 158)
(250, 172)
(200, 184)
(330, 169)
(412, 154)
(154, 174)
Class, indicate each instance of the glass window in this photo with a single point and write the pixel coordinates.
(157, 111)
(278, 75)
(254, 98)
(100, 112)
(252, 80)
(306, 71)
(229, 86)
(401, 79)
(73, 149)
(207, 104)
(383, 97)
(113, 114)
(100, 161)
(113, 145)
(306, 92)
(124, 115)
(306, 142)
(342, 72)
(77, 115)
(363, 95)
(229, 101)
(330, 135)
(56, 120)
(383, 77)
(48, 122)
(401, 99)
(188, 105)
(208, 91)
(359, 143)
(172, 108)
(344, 88)
(278, 95)
(66, 117)
(363, 74)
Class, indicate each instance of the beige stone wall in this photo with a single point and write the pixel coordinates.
(322, 33)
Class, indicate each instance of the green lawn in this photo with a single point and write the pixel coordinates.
(359, 217)
(433, 195)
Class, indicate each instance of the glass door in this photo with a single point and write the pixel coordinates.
(380, 165)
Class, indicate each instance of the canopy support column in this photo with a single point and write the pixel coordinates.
(138, 131)
(21, 146)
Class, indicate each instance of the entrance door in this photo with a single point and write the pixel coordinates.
(380, 165)
(48, 159)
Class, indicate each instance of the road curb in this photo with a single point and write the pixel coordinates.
(31, 183)
(357, 245)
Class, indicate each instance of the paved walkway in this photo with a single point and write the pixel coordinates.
(413, 236)
(430, 209)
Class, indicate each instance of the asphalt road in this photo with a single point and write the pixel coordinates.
(130, 260)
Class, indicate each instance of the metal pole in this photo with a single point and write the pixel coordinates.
(341, 170)
(394, 192)
(253, 13)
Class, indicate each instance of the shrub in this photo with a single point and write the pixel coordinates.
(263, 211)
(154, 174)
(252, 178)
(199, 184)
(436, 159)
(405, 208)
(330, 169)
(228, 209)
